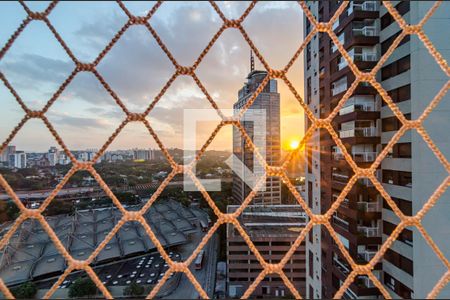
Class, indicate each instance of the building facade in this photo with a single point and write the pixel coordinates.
(411, 77)
(272, 229)
(267, 101)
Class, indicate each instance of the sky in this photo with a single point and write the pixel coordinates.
(85, 115)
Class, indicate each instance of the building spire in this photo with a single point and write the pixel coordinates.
(252, 61)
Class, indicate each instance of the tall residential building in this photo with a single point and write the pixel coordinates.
(410, 173)
(143, 154)
(267, 101)
(53, 156)
(272, 229)
(18, 160)
(4, 157)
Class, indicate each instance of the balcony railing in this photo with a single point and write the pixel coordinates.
(359, 132)
(340, 222)
(365, 182)
(367, 255)
(369, 231)
(362, 57)
(357, 156)
(357, 107)
(366, 31)
(366, 56)
(365, 6)
(339, 89)
(369, 206)
(341, 266)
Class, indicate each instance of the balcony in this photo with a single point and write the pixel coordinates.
(342, 178)
(369, 31)
(357, 156)
(369, 231)
(365, 56)
(365, 6)
(357, 104)
(369, 206)
(341, 265)
(344, 203)
(340, 222)
(365, 182)
(339, 88)
(358, 57)
(341, 41)
(367, 255)
(359, 132)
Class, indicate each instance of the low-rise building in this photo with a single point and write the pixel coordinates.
(273, 229)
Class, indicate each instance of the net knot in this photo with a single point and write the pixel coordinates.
(232, 23)
(135, 117)
(84, 67)
(323, 26)
(276, 73)
(37, 15)
(185, 70)
(35, 114)
(138, 20)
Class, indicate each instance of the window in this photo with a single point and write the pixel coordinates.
(404, 205)
(406, 236)
(400, 94)
(311, 264)
(400, 150)
(387, 43)
(389, 124)
(399, 261)
(387, 19)
(396, 68)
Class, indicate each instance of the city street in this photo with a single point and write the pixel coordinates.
(205, 276)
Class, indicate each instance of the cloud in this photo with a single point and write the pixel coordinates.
(136, 68)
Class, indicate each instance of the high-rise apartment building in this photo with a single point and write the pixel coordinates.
(268, 101)
(4, 157)
(272, 229)
(410, 173)
(18, 160)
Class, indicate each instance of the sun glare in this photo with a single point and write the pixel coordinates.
(294, 144)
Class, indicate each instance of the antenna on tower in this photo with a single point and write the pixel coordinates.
(252, 61)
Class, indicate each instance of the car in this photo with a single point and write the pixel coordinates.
(152, 275)
(147, 266)
(142, 275)
(138, 281)
(128, 282)
(150, 281)
(109, 276)
(157, 266)
(118, 276)
(165, 265)
(138, 267)
(132, 275)
(134, 272)
(115, 282)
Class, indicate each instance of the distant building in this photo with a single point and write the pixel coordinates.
(18, 160)
(53, 156)
(273, 229)
(143, 154)
(4, 157)
(269, 101)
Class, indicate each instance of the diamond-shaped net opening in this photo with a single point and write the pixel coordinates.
(363, 274)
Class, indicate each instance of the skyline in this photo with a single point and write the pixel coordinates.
(136, 69)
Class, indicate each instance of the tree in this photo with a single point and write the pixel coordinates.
(82, 287)
(26, 290)
(133, 289)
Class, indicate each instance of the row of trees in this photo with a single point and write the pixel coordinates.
(82, 287)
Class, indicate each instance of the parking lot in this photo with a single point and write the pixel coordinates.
(144, 270)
